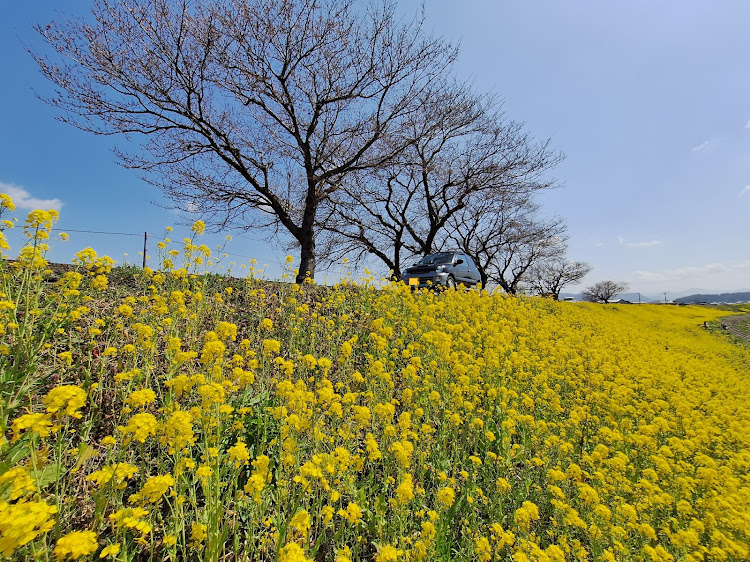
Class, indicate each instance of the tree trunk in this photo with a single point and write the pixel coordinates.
(482, 274)
(307, 258)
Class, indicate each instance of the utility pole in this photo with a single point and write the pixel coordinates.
(145, 248)
(665, 298)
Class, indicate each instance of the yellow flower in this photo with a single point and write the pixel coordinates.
(132, 518)
(76, 544)
(125, 310)
(99, 283)
(482, 549)
(402, 450)
(141, 426)
(301, 522)
(271, 346)
(21, 483)
(140, 398)
(70, 397)
(198, 533)
(524, 515)
(153, 489)
(446, 496)
(22, 522)
(293, 553)
(227, 331)
(6, 202)
(259, 477)
(327, 512)
(353, 513)
(405, 491)
(198, 227)
(111, 550)
(239, 454)
(388, 553)
(37, 423)
(119, 472)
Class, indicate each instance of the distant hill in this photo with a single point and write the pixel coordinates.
(726, 298)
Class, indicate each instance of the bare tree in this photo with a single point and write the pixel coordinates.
(603, 291)
(549, 277)
(253, 112)
(506, 237)
(461, 152)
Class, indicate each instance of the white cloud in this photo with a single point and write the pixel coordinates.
(647, 244)
(744, 190)
(747, 125)
(24, 200)
(701, 146)
(190, 208)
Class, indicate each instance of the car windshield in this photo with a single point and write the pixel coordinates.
(440, 257)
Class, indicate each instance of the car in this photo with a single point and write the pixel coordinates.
(442, 270)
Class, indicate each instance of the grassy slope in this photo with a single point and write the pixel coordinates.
(369, 424)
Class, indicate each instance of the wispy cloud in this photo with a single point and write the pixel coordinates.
(24, 200)
(744, 190)
(191, 208)
(647, 244)
(702, 146)
(747, 125)
(692, 272)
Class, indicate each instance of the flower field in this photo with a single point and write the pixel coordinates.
(172, 415)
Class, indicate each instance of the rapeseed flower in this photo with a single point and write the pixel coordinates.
(446, 496)
(111, 550)
(293, 553)
(153, 489)
(41, 424)
(405, 491)
(353, 513)
(22, 522)
(21, 483)
(239, 454)
(117, 473)
(140, 427)
(76, 544)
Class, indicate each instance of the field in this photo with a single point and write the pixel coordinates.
(181, 415)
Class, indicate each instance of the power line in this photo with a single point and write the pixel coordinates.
(141, 235)
(99, 232)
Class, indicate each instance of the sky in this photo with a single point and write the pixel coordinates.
(649, 101)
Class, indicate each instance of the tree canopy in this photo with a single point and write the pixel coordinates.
(335, 123)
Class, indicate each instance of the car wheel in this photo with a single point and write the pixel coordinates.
(450, 282)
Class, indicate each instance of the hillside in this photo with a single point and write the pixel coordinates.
(178, 416)
(724, 298)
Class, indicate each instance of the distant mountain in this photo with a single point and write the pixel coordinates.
(681, 297)
(726, 298)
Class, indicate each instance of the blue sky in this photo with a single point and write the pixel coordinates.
(650, 101)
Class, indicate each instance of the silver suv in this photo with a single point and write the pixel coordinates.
(442, 269)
